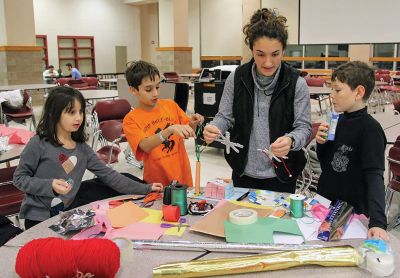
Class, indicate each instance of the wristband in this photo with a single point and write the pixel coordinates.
(160, 136)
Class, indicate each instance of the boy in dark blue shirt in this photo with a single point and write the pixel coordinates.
(353, 164)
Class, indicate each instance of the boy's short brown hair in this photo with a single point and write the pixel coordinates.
(354, 74)
(138, 70)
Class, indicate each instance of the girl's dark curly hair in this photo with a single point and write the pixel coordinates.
(264, 23)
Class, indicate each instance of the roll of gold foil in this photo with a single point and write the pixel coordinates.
(329, 256)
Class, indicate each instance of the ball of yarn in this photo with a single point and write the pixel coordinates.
(56, 257)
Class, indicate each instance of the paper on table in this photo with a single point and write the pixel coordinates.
(138, 230)
(126, 214)
(213, 222)
(310, 231)
(155, 217)
(260, 232)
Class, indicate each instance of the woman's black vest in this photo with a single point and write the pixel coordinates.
(281, 115)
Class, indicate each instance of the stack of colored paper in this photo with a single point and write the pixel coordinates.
(218, 189)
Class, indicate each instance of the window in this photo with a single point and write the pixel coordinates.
(41, 40)
(337, 50)
(77, 50)
(383, 50)
(294, 50)
(314, 51)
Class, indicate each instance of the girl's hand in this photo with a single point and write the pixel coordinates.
(378, 233)
(196, 119)
(281, 146)
(61, 186)
(156, 187)
(322, 133)
(184, 131)
(210, 133)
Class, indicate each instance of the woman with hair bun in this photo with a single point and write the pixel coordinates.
(265, 105)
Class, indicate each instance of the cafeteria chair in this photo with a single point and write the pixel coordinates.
(19, 115)
(393, 187)
(318, 82)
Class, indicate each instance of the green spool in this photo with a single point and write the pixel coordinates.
(297, 205)
(179, 197)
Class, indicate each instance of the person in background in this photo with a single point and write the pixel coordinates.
(265, 105)
(50, 74)
(54, 161)
(75, 74)
(155, 128)
(353, 164)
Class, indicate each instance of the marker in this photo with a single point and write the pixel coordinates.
(243, 196)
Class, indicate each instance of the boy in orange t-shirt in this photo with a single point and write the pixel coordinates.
(155, 129)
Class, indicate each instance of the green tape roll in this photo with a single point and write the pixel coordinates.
(179, 197)
(297, 205)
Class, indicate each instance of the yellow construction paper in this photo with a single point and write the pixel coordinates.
(155, 217)
(249, 205)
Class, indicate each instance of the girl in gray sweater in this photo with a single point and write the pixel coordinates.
(57, 154)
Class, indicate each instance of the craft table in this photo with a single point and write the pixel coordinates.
(143, 261)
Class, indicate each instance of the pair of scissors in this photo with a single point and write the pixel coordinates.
(270, 154)
(226, 140)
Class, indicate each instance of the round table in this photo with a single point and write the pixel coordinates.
(143, 261)
(99, 94)
(13, 153)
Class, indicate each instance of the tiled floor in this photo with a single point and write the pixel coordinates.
(213, 163)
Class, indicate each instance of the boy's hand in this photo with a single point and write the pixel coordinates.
(61, 186)
(378, 233)
(184, 131)
(281, 146)
(196, 119)
(156, 187)
(322, 133)
(210, 133)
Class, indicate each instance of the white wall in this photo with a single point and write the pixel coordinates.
(221, 27)
(290, 10)
(194, 31)
(109, 21)
(149, 31)
(166, 22)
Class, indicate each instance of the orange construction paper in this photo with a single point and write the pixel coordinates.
(126, 214)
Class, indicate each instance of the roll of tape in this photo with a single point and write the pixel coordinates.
(243, 216)
(125, 247)
(171, 213)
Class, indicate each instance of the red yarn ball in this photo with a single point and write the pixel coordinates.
(56, 257)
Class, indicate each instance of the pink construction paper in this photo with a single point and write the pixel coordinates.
(16, 135)
(146, 231)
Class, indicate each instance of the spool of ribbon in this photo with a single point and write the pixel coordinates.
(243, 216)
(179, 197)
(297, 205)
(171, 213)
(167, 195)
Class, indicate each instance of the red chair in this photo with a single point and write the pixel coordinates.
(172, 77)
(393, 186)
(317, 82)
(111, 131)
(21, 114)
(10, 196)
(396, 105)
(384, 77)
(383, 71)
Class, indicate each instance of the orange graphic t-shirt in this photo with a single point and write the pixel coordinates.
(168, 161)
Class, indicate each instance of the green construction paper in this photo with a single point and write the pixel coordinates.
(261, 231)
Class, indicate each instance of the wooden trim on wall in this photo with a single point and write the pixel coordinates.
(384, 59)
(331, 59)
(318, 71)
(223, 58)
(19, 48)
(174, 48)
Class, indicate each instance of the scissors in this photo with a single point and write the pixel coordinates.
(270, 154)
(226, 140)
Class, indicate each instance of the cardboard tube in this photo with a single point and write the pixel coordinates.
(197, 182)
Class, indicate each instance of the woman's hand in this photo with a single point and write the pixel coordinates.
(156, 187)
(210, 133)
(378, 233)
(281, 146)
(61, 186)
(322, 133)
(196, 119)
